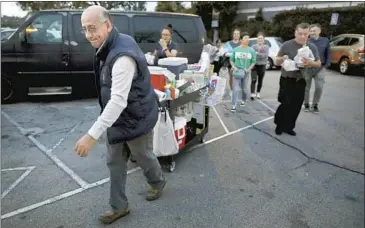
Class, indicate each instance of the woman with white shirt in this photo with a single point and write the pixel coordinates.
(218, 56)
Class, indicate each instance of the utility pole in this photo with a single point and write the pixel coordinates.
(215, 25)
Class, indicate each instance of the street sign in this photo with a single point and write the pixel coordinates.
(215, 24)
(334, 19)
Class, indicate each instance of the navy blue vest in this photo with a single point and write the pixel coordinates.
(141, 113)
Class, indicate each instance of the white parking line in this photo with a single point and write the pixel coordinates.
(220, 120)
(106, 180)
(48, 153)
(60, 197)
(268, 107)
(63, 139)
(13, 185)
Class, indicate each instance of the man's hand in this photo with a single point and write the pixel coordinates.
(84, 145)
(308, 62)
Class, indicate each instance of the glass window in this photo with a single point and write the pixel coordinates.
(119, 21)
(267, 43)
(148, 29)
(353, 41)
(341, 41)
(45, 29)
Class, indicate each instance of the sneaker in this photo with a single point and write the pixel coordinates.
(243, 104)
(253, 96)
(315, 109)
(306, 108)
(233, 109)
(112, 216)
(258, 96)
(155, 193)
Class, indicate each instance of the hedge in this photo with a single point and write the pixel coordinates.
(351, 20)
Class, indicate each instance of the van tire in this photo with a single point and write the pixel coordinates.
(7, 92)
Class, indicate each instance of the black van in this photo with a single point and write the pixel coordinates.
(57, 59)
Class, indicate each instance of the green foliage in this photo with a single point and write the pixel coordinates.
(351, 20)
(11, 22)
(36, 6)
(259, 15)
(170, 7)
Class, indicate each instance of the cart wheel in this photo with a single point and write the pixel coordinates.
(172, 166)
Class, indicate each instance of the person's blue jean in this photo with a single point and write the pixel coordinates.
(240, 85)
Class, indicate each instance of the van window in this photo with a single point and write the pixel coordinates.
(147, 29)
(120, 22)
(45, 29)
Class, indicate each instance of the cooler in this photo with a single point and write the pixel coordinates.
(176, 65)
(159, 77)
(180, 131)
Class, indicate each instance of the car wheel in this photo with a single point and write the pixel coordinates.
(269, 64)
(344, 66)
(6, 90)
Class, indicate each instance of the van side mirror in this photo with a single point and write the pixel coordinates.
(22, 37)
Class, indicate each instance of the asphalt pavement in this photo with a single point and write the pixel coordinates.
(242, 176)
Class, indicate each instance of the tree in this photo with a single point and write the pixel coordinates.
(176, 7)
(11, 22)
(36, 6)
(259, 15)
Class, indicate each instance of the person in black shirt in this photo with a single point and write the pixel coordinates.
(166, 47)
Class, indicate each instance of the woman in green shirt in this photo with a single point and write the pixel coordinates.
(243, 60)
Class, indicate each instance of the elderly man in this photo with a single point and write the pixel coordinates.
(292, 83)
(317, 73)
(129, 109)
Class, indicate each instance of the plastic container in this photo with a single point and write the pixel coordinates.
(158, 81)
(174, 64)
(180, 131)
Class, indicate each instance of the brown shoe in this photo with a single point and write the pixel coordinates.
(155, 193)
(111, 216)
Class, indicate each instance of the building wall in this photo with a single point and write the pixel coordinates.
(247, 10)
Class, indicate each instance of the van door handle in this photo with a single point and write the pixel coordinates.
(65, 59)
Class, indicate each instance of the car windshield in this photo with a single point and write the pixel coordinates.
(279, 41)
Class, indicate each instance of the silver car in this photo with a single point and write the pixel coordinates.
(274, 43)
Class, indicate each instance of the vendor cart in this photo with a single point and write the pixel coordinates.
(195, 131)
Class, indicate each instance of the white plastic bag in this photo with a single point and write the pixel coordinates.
(289, 65)
(304, 52)
(150, 58)
(164, 140)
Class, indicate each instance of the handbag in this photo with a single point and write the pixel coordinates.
(239, 73)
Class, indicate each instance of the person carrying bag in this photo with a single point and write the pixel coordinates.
(243, 60)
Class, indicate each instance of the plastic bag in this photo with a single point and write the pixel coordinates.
(164, 140)
(304, 52)
(289, 65)
(150, 58)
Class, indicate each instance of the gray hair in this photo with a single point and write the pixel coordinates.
(101, 11)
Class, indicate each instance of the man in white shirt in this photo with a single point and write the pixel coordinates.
(129, 109)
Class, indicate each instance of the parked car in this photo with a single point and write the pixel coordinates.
(274, 43)
(347, 51)
(6, 33)
(49, 54)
